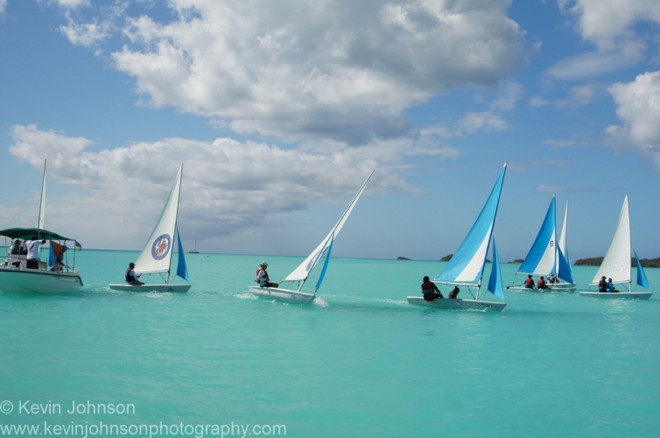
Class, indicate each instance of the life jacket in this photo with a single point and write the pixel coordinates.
(259, 271)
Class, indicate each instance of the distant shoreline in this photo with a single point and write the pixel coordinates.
(596, 261)
(589, 261)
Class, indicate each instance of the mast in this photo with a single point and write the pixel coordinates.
(42, 204)
(176, 218)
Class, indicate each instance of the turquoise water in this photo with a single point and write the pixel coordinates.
(360, 363)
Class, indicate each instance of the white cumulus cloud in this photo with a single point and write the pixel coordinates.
(638, 107)
(291, 70)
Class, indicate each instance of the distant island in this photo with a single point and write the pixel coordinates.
(596, 261)
(589, 261)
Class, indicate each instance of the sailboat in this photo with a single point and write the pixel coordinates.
(301, 273)
(466, 267)
(156, 257)
(194, 250)
(16, 277)
(547, 258)
(617, 264)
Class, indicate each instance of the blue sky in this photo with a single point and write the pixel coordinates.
(279, 110)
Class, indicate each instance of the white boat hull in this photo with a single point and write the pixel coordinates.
(178, 288)
(642, 295)
(287, 295)
(457, 303)
(37, 281)
(551, 288)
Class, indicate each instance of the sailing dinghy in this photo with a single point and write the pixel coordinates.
(300, 275)
(156, 257)
(617, 264)
(547, 258)
(466, 267)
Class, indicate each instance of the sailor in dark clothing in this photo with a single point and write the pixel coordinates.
(430, 290)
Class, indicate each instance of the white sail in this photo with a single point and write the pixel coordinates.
(157, 253)
(302, 270)
(563, 236)
(616, 264)
(41, 221)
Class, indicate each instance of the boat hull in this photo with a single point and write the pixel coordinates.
(551, 288)
(458, 304)
(287, 295)
(14, 280)
(642, 295)
(177, 288)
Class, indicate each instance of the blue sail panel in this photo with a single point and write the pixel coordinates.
(565, 270)
(641, 275)
(325, 265)
(468, 261)
(541, 257)
(495, 281)
(182, 268)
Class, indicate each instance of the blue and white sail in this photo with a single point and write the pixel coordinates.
(547, 257)
(542, 256)
(467, 264)
(302, 271)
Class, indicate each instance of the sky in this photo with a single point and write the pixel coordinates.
(280, 110)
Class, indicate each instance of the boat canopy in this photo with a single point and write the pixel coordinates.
(28, 233)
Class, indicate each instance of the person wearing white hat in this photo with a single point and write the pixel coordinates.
(262, 276)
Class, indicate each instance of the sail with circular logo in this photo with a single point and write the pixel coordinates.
(156, 257)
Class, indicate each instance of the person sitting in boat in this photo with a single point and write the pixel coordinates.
(34, 248)
(18, 247)
(602, 284)
(59, 265)
(529, 282)
(454, 292)
(131, 276)
(262, 276)
(541, 283)
(430, 290)
(552, 279)
(610, 286)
